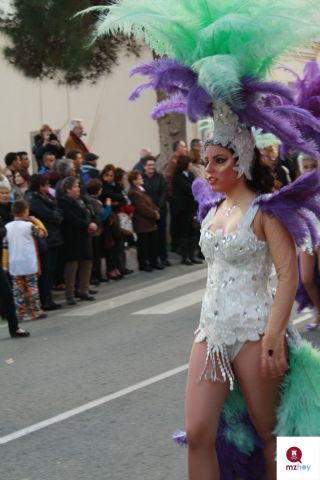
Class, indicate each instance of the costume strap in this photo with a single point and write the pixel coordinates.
(249, 216)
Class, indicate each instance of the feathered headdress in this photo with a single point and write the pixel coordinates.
(219, 52)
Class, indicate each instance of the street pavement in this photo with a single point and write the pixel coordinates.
(98, 389)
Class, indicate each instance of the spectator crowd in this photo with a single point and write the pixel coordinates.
(67, 227)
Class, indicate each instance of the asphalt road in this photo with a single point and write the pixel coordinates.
(97, 390)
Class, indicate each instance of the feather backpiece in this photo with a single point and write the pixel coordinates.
(297, 206)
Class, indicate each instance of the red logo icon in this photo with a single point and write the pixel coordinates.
(294, 454)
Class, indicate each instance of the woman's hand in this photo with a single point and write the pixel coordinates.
(273, 355)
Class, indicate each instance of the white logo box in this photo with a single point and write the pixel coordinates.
(309, 466)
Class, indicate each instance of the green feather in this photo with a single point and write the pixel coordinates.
(253, 33)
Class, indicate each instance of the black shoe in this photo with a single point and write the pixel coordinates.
(146, 269)
(186, 262)
(196, 262)
(40, 317)
(166, 263)
(103, 280)
(95, 282)
(52, 306)
(158, 266)
(20, 333)
(71, 301)
(92, 292)
(127, 271)
(86, 297)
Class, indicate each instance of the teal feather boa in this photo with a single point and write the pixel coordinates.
(299, 411)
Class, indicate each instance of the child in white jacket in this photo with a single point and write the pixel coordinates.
(23, 262)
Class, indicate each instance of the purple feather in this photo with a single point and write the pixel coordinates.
(199, 104)
(176, 104)
(205, 197)
(234, 463)
(297, 206)
(252, 86)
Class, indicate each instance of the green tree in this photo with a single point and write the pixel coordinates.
(46, 41)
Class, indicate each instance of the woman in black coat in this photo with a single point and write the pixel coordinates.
(185, 207)
(76, 230)
(44, 207)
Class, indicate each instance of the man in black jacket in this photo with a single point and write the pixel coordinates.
(155, 185)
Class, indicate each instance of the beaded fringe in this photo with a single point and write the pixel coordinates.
(218, 356)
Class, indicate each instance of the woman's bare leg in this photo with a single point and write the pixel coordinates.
(262, 397)
(204, 401)
(307, 264)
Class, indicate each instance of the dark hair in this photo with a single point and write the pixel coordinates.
(68, 183)
(133, 176)
(119, 174)
(10, 158)
(146, 159)
(19, 207)
(183, 162)
(38, 180)
(72, 154)
(24, 174)
(46, 155)
(262, 179)
(20, 154)
(107, 168)
(194, 142)
(175, 145)
(93, 186)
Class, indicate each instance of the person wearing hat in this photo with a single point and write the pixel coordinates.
(89, 168)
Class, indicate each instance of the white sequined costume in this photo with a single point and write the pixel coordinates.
(237, 300)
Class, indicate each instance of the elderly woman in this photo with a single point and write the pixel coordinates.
(65, 168)
(76, 230)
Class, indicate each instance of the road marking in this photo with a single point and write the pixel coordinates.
(89, 406)
(140, 294)
(173, 305)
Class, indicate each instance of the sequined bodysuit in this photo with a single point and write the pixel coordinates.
(237, 299)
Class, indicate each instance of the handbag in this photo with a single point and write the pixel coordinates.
(126, 225)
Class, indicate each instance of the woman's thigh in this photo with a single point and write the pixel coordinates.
(261, 393)
(204, 398)
(307, 264)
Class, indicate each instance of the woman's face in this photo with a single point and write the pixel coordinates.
(309, 164)
(44, 189)
(74, 191)
(108, 176)
(138, 181)
(18, 179)
(269, 156)
(4, 195)
(220, 171)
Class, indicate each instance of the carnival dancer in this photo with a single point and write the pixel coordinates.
(219, 53)
(307, 95)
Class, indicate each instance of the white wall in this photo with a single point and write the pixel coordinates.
(116, 128)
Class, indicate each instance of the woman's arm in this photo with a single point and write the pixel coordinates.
(284, 256)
